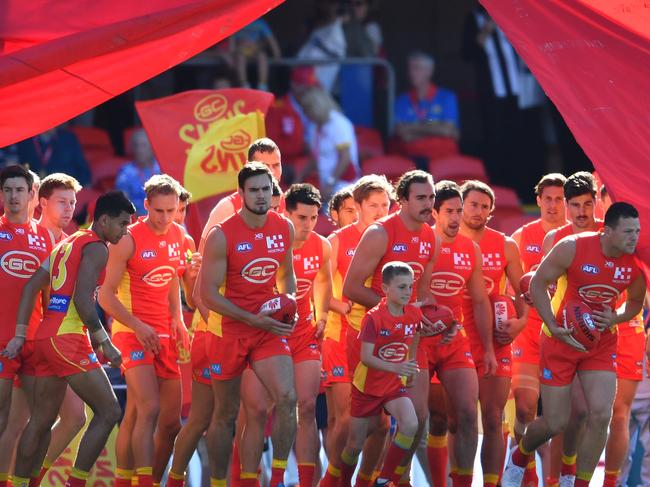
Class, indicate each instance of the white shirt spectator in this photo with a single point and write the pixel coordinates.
(326, 42)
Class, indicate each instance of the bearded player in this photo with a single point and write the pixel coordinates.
(595, 268)
(142, 293)
(244, 257)
(500, 261)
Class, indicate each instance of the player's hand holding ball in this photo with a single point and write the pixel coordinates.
(278, 315)
(603, 319)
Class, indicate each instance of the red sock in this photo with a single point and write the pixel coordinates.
(552, 482)
(35, 481)
(521, 457)
(306, 474)
(331, 478)
(235, 466)
(581, 482)
(490, 479)
(363, 480)
(530, 475)
(249, 482)
(568, 465)
(77, 478)
(394, 457)
(277, 472)
(175, 480)
(348, 466)
(4, 480)
(611, 476)
(437, 455)
(463, 479)
(145, 477)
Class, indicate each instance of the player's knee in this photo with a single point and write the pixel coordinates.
(492, 420)
(526, 412)
(307, 408)
(226, 412)
(170, 426)
(556, 423)
(286, 400)
(438, 424)
(75, 419)
(600, 417)
(408, 426)
(148, 410)
(465, 416)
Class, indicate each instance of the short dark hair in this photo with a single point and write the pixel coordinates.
(304, 193)
(185, 196)
(476, 185)
(263, 145)
(113, 204)
(403, 185)
(16, 171)
(579, 183)
(277, 191)
(252, 169)
(339, 197)
(446, 190)
(617, 211)
(603, 191)
(551, 179)
(393, 269)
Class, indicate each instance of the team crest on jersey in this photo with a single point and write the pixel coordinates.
(244, 247)
(6, 236)
(533, 248)
(275, 243)
(18, 263)
(160, 276)
(148, 254)
(590, 269)
(36, 242)
(399, 248)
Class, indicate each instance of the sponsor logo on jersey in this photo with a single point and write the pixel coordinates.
(244, 247)
(338, 371)
(59, 303)
(148, 254)
(137, 355)
(36, 242)
(492, 260)
(216, 369)
(205, 373)
(260, 271)
(160, 276)
(93, 358)
(275, 243)
(259, 236)
(547, 374)
(19, 263)
(311, 263)
(393, 352)
(462, 259)
(590, 269)
(399, 248)
(622, 274)
(20, 231)
(6, 236)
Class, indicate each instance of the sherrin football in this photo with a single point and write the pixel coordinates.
(503, 309)
(577, 315)
(524, 282)
(442, 317)
(281, 307)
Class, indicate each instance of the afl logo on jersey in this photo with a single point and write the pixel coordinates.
(244, 247)
(160, 276)
(6, 236)
(393, 352)
(148, 254)
(19, 264)
(590, 269)
(400, 248)
(534, 249)
(260, 271)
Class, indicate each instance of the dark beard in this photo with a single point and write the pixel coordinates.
(256, 212)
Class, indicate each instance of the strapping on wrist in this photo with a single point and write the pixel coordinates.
(100, 336)
(21, 331)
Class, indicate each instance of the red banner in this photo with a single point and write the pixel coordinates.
(592, 59)
(61, 58)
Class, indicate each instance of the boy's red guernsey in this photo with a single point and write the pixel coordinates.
(61, 316)
(144, 288)
(23, 248)
(392, 336)
(253, 258)
(307, 262)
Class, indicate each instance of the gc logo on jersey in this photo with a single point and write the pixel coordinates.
(18, 263)
(393, 352)
(446, 283)
(160, 276)
(260, 271)
(275, 243)
(598, 293)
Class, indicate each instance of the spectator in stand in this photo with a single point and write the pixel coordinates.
(326, 41)
(332, 142)
(426, 117)
(362, 34)
(249, 45)
(134, 174)
(55, 150)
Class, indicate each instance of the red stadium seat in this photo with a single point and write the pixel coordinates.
(86, 199)
(458, 168)
(92, 138)
(324, 226)
(506, 198)
(393, 166)
(509, 222)
(126, 135)
(369, 142)
(104, 171)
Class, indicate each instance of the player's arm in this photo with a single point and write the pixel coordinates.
(512, 327)
(423, 289)
(336, 305)
(219, 213)
(285, 278)
(631, 307)
(553, 265)
(368, 337)
(517, 236)
(37, 283)
(369, 252)
(212, 277)
(482, 312)
(192, 266)
(118, 256)
(323, 290)
(93, 261)
(548, 242)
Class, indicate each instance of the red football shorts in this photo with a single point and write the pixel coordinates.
(28, 359)
(525, 348)
(335, 362)
(304, 347)
(199, 356)
(229, 356)
(560, 362)
(364, 405)
(8, 366)
(629, 355)
(133, 355)
(503, 354)
(353, 349)
(64, 355)
(454, 355)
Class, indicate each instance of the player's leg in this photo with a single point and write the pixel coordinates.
(72, 417)
(191, 432)
(437, 441)
(219, 438)
(168, 424)
(357, 435)
(338, 407)
(402, 410)
(619, 430)
(94, 388)
(493, 394)
(14, 413)
(276, 373)
(125, 463)
(256, 405)
(599, 388)
(564, 453)
(48, 394)
(307, 374)
(525, 389)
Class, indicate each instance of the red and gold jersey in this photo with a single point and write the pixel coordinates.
(253, 258)
(567, 230)
(392, 336)
(530, 245)
(414, 248)
(452, 270)
(593, 278)
(307, 261)
(61, 316)
(144, 288)
(493, 252)
(23, 248)
(336, 329)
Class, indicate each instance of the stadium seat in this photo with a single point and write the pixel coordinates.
(92, 138)
(126, 135)
(86, 199)
(508, 223)
(458, 168)
(393, 166)
(369, 142)
(324, 226)
(506, 197)
(104, 171)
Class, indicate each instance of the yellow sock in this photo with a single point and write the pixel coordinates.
(144, 471)
(123, 473)
(79, 474)
(490, 478)
(348, 459)
(20, 481)
(569, 460)
(156, 484)
(248, 475)
(403, 441)
(586, 476)
(400, 470)
(218, 482)
(333, 471)
(47, 463)
(176, 476)
(279, 463)
(464, 471)
(4, 477)
(363, 476)
(436, 441)
(522, 449)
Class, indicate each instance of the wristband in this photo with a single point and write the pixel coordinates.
(21, 331)
(100, 336)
